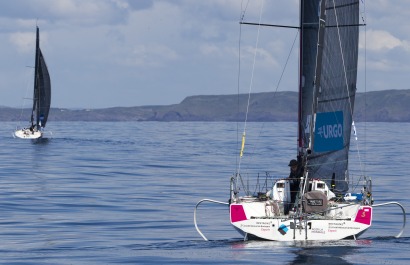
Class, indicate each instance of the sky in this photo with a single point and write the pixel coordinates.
(110, 53)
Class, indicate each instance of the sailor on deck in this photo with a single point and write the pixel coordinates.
(295, 174)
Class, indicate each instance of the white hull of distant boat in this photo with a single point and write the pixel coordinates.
(28, 134)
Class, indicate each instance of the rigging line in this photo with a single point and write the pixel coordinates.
(347, 85)
(278, 85)
(342, 55)
(364, 19)
(363, 165)
(284, 68)
(269, 25)
(242, 15)
(250, 87)
(238, 80)
(287, 60)
(281, 75)
(28, 86)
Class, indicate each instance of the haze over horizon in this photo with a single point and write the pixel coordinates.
(109, 53)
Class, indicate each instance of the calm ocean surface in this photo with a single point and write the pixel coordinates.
(124, 193)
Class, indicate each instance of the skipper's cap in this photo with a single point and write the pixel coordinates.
(293, 162)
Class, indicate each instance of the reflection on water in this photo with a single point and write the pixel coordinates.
(326, 252)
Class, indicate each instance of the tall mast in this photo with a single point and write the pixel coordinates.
(318, 69)
(36, 95)
(300, 136)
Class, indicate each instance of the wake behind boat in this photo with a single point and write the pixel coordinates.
(41, 97)
(319, 200)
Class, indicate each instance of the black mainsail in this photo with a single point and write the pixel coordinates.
(42, 89)
(328, 74)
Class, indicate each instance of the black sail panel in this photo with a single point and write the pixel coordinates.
(309, 41)
(36, 87)
(335, 96)
(44, 95)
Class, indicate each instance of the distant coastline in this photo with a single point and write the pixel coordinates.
(374, 106)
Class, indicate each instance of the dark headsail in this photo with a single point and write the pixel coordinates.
(42, 88)
(328, 83)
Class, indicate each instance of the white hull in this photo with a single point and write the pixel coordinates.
(257, 219)
(27, 134)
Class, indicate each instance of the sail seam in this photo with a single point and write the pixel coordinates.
(336, 99)
(341, 6)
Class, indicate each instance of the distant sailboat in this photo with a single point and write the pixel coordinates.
(41, 97)
(318, 201)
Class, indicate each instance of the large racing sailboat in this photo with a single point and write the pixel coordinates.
(319, 202)
(41, 97)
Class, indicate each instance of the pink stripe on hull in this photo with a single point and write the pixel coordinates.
(364, 216)
(237, 213)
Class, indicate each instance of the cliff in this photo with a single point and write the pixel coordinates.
(375, 106)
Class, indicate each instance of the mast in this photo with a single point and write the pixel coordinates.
(318, 70)
(312, 29)
(300, 137)
(36, 89)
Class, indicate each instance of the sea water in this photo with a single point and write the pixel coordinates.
(125, 193)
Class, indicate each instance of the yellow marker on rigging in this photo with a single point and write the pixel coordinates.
(243, 144)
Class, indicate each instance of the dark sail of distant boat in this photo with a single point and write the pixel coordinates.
(41, 97)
